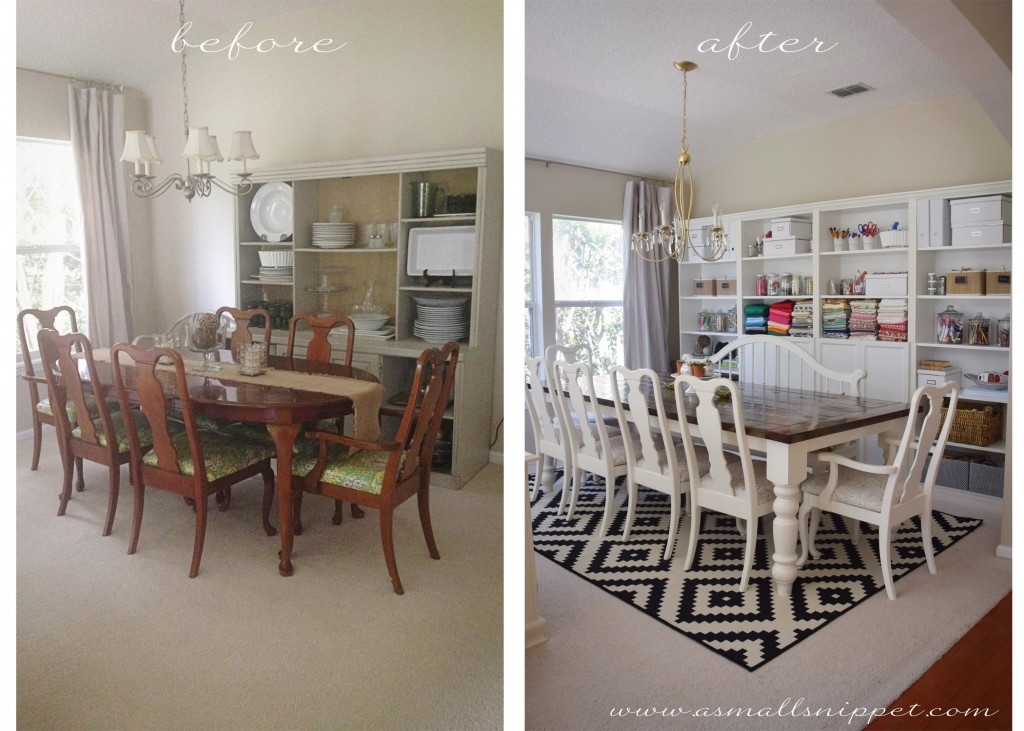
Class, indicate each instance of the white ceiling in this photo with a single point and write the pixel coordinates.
(601, 89)
(128, 41)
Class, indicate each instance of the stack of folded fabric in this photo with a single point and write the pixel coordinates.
(864, 320)
(835, 318)
(780, 317)
(755, 319)
(803, 319)
(892, 320)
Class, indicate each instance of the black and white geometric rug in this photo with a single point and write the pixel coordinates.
(749, 628)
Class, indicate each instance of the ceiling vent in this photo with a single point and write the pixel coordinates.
(850, 90)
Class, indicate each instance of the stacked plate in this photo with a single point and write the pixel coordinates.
(440, 319)
(275, 274)
(334, 235)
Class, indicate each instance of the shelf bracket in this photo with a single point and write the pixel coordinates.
(430, 281)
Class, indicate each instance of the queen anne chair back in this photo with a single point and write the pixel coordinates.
(84, 419)
(30, 322)
(551, 439)
(319, 348)
(244, 325)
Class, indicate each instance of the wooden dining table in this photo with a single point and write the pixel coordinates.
(283, 410)
(787, 425)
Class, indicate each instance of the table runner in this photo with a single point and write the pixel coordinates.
(366, 396)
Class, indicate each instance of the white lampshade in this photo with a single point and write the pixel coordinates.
(242, 147)
(154, 155)
(216, 156)
(136, 148)
(198, 146)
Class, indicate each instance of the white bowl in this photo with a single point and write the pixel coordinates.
(368, 322)
(277, 258)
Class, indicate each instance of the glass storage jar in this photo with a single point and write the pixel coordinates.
(786, 284)
(949, 326)
(761, 285)
(774, 285)
(978, 330)
(1003, 331)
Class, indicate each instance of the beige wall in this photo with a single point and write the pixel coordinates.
(415, 77)
(929, 145)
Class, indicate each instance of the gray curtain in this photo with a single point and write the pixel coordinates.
(97, 136)
(645, 300)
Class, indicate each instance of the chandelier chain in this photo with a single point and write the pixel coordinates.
(184, 83)
(685, 143)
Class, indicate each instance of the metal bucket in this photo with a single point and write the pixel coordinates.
(424, 199)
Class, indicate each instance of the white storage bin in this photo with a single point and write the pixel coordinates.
(786, 246)
(937, 378)
(787, 228)
(987, 209)
(885, 285)
(981, 234)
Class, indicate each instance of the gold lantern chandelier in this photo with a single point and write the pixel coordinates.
(667, 241)
(200, 150)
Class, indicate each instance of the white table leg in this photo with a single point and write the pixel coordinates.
(787, 468)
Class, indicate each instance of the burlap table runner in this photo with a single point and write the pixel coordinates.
(366, 396)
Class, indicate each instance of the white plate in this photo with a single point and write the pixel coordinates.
(271, 212)
(443, 302)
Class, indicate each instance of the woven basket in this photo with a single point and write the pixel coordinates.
(978, 427)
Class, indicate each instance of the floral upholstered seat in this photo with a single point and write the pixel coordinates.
(120, 433)
(224, 454)
(363, 470)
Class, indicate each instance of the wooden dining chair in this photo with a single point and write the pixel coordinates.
(885, 495)
(244, 326)
(30, 322)
(320, 348)
(383, 475)
(193, 463)
(102, 436)
(734, 483)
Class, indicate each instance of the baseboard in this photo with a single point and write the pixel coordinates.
(535, 633)
(1004, 551)
(967, 504)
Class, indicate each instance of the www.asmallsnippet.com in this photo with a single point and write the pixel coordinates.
(799, 709)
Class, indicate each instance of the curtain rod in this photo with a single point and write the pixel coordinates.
(631, 176)
(117, 87)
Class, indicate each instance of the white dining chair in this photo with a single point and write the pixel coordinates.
(595, 448)
(735, 484)
(654, 459)
(885, 495)
(550, 439)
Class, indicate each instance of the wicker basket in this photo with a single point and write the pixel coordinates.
(977, 426)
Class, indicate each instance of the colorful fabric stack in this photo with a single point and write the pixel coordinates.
(835, 318)
(892, 320)
(780, 317)
(755, 319)
(803, 319)
(864, 320)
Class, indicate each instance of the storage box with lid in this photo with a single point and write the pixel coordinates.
(986, 209)
(791, 228)
(725, 287)
(886, 284)
(703, 287)
(936, 377)
(997, 282)
(981, 234)
(965, 282)
(786, 246)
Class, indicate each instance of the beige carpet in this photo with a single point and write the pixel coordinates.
(604, 655)
(111, 641)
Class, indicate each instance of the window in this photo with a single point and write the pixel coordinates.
(588, 266)
(49, 267)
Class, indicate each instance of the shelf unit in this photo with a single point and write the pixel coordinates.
(378, 190)
(891, 366)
